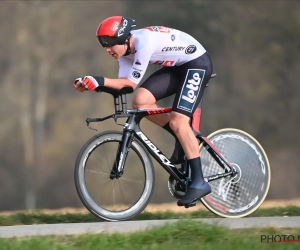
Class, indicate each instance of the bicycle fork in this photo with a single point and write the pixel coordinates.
(122, 152)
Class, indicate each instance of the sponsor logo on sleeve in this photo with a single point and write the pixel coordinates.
(140, 70)
(162, 29)
(190, 49)
(165, 63)
(191, 89)
(136, 74)
(155, 28)
(137, 62)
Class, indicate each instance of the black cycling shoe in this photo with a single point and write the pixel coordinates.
(178, 154)
(192, 195)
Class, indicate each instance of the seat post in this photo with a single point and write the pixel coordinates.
(117, 104)
(117, 93)
(124, 102)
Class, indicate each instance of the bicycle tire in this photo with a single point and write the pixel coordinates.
(112, 212)
(245, 193)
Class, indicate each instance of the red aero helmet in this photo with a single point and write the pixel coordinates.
(114, 30)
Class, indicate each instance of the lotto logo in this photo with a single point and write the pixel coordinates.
(190, 89)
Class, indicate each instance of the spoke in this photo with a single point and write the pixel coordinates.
(108, 180)
(121, 191)
(131, 180)
(94, 162)
(102, 156)
(96, 172)
(101, 175)
(114, 193)
(108, 164)
(106, 195)
(97, 154)
(131, 198)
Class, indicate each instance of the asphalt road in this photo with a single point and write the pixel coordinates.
(131, 226)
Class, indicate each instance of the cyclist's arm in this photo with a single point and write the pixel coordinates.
(119, 83)
(145, 46)
(125, 65)
(131, 72)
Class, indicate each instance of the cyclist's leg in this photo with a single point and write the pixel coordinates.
(159, 85)
(143, 98)
(183, 131)
(162, 83)
(195, 75)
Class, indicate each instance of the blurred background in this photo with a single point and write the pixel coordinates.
(45, 45)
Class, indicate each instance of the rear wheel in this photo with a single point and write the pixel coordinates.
(119, 198)
(241, 195)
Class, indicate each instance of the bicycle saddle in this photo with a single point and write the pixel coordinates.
(212, 76)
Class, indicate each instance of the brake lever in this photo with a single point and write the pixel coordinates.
(88, 125)
(116, 119)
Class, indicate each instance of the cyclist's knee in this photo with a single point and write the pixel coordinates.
(138, 102)
(178, 122)
(143, 98)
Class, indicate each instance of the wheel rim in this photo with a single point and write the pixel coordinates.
(115, 199)
(239, 196)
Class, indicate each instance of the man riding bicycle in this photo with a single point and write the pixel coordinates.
(185, 70)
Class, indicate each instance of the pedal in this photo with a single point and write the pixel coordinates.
(192, 204)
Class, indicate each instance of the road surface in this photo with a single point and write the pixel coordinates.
(131, 226)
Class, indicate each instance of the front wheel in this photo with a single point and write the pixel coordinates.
(241, 195)
(113, 199)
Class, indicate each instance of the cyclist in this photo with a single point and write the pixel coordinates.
(185, 70)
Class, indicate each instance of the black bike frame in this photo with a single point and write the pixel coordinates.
(132, 132)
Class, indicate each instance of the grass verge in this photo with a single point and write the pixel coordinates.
(38, 217)
(181, 235)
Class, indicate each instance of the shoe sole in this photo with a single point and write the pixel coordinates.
(193, 201)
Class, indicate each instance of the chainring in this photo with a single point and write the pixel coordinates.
(176, 188)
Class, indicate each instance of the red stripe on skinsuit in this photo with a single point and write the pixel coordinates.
(196, 119)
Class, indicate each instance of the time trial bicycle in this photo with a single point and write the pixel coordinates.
(115, 178)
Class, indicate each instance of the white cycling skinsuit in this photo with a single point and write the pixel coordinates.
(182, 59)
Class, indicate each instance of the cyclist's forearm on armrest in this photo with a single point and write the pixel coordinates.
(119, 83)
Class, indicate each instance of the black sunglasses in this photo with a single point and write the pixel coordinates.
(107, 41)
